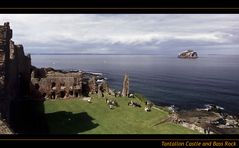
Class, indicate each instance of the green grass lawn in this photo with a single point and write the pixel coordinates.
(75, 116)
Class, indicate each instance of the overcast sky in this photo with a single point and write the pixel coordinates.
(125, 33)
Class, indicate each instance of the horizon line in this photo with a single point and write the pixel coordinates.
(72, 53)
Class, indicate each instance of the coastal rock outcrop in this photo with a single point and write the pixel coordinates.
(125, 90)
(207, 120)
(188, 54)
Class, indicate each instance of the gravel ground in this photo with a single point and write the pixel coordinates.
(4, 128)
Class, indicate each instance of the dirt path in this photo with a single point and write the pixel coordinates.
(163, 121)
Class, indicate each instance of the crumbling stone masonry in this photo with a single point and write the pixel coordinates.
(49, 83)
(125, 90)
(53, 84)
(14, 71)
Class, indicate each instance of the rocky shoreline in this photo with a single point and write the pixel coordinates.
(205, 120)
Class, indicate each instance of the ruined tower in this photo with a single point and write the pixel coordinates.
(5, 37)
(125, 90)
(92, 85)
(14, 71)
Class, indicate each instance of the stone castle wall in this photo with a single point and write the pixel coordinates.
(14, 71)
(49, 81)
(53, 84)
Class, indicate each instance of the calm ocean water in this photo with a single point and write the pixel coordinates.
(185, 83)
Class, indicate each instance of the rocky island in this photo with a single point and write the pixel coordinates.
(190, 54)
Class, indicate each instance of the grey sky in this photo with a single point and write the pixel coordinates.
(126, 33)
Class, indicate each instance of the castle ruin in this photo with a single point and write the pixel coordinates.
(49, 83)
(22, 84)
(14, 71)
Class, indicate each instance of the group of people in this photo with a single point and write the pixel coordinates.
(148, 105)
(111, 103)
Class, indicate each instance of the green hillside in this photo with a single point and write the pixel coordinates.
(75, 116)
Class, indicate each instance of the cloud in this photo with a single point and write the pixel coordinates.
(122, 33)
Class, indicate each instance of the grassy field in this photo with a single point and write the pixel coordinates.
(75, 116)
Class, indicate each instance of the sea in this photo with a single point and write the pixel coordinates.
(163, 79)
